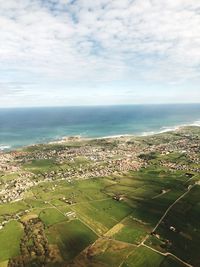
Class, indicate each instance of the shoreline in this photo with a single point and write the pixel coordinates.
(65, 139)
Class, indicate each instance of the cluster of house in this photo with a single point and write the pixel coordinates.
(13, 190)
(100, 160)
(97, 169)
(71, 215)
(188, 146)
(5, 163)
(180, 167)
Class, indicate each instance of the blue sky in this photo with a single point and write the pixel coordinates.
(93, 52)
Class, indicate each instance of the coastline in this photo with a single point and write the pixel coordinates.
(148, 133)
(26, 127)
(65, 139)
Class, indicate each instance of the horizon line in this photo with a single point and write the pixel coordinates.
(102, 105)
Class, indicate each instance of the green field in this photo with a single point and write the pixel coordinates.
(12, 208)
(145, 257)
(103, 253)
(98, 214)
(70, 237)
(185, 218)
(51, 216)
(104, 221)
(10, 240)
(102, 215)
(131, 230)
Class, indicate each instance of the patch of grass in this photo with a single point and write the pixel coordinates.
(103, 253)
(171, 262)
(12, 208)
(4, 264)
(51, 216)
(185, 218)
(41, 165)
(8, 177)
(102, 215)
(71, 238)
(143, 257)
(131, 231)
(10, 237)
(110, 253)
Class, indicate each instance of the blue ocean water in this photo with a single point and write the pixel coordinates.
(26, 126)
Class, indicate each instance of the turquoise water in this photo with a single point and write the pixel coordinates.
(26, 126)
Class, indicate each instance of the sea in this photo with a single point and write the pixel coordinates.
(26, 126)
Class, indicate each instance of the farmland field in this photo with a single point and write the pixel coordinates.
(78, 211)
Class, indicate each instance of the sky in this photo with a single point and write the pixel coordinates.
(99, 52)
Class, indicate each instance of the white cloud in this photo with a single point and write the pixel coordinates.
(101, 40)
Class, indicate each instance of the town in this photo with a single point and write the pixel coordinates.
(63, 203)
(93, 158)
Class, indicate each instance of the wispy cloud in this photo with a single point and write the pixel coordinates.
(80, 41)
